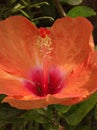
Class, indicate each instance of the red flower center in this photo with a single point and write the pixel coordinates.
(40, 87)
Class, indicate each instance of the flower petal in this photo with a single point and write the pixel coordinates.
(29, 102)
(71, 41)
(11, 85)
(91, 42)
(26, 102)
(80, 84)
(17, 42)
(82, 81)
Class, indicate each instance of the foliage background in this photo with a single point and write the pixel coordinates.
(82, 116)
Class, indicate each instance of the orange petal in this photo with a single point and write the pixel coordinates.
(91, 42)
(26, 102)
(17, 42)
(11, 85)
(82, 81)
(80, 84)
(71, 101)
(29, 102)
(71, 41)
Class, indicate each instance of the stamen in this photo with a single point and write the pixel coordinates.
(44, 43)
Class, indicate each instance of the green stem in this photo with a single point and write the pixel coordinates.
(39, 4)
(59, 8)
(44, 17)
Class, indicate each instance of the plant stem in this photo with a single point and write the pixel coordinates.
(44, 17)
(59, 8)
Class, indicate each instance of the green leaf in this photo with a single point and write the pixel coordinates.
(85, 128)
(2, 96)
(29, 115)
(24, 13)
(46, 113)
(38, 5)
(75, 116)
(40, 111)
(35, 116)
(7, 112)
(96, 47)
(41, 119)
(17, 7)
(61, 108)
(81, 11)
(18, 124)
(72, 2)
(13, 1)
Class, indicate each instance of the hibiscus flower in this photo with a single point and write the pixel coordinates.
(44, 66)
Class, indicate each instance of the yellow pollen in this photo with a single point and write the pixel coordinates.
(44, 45)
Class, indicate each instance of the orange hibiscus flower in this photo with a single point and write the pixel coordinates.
(55, 65)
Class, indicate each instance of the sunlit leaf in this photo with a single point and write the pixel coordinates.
(18, 7)
(81, 11)
(62, 109)
(72, 2)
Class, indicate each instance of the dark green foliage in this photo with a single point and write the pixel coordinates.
(32, 9)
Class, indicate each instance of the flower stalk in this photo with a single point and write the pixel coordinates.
(59, 8)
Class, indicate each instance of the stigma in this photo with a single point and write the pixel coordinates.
(44, 32)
